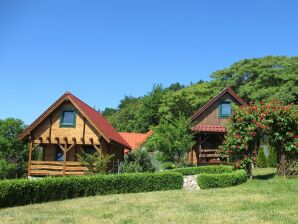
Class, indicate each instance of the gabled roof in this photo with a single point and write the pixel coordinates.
(209, 128)
(135, 140)
(212, 101)
(95, 118)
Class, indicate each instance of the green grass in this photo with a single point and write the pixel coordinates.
(266, 199)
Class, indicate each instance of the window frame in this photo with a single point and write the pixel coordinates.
(221, 115)
(73, 125)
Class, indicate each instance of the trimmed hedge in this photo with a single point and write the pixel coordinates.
(222, 180)
(203, 169)
(21, 192)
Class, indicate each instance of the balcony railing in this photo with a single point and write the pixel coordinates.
(56, 168)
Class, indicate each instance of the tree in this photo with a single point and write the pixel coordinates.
(248, 123)
(148, 114)
(261, 159)
(11, 149)
(272, 158)
(264, 78)
(172, 139)
(187, 100)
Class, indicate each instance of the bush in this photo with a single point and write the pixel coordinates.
(168, 166)
(22, 191)
(137, 161)
(272, 158)
(7, 170)
(261, 159)
(222, 180)
(203, 169)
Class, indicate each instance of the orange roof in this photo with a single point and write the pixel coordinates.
(135, 140)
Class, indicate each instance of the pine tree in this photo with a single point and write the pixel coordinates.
(272, 158)
(261, 159)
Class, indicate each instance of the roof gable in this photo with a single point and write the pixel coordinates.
(214, 100)
(95, 118)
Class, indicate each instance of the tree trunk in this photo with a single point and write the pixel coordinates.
(282, 165)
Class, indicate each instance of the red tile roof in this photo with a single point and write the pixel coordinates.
(95, 118)
(212, 101)
(209, 128)
(99, 121)
(135, 140)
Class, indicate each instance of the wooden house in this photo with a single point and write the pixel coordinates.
(209, 127)
(65, 129)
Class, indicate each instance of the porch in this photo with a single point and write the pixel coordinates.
(59, 159)
(207, 149)
(56, 168)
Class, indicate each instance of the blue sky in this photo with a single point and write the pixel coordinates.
(103, 50)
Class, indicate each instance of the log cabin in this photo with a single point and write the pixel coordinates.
(209, 127)
(66, 128)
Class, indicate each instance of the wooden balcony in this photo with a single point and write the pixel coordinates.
(56, 168)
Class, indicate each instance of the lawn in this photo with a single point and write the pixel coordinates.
(266, 199)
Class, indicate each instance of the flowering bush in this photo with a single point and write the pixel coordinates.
(248, 123)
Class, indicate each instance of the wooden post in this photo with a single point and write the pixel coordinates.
(200, 147)
(30, 155)
(64, 157)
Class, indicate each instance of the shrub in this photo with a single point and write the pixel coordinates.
(168, 166)
(137, 161)
(203, 169)
(261, 159)
(22, 191)
(272, 158)
(222, 180)
(7, 170)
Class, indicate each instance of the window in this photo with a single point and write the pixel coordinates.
(225, 109)
(68, 118)
(59, 154)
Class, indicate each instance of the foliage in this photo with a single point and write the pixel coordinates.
(203, 169)
(187, 100)
(261, 79)
(172, 139)
(11, 149)
(168, 166)
(124, 119)
(21, 192)
(96, 164)
(248, 123)
(137, 161)
(255, 79)
(7, 170)
(208, 180)
(261, 159)
(272, 158)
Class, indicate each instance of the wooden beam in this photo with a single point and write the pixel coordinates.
(98, 149)
(50, 129)
(40, 140)
(84, 130)
(202, 142)
(30, 155)
(64, 157)
(70, 147)
(61, 147)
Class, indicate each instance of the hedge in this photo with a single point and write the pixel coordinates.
(21, 192)
(203, 169)
(221, 180)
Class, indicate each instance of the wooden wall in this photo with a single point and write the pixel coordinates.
(50, 127)
(211, 115)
